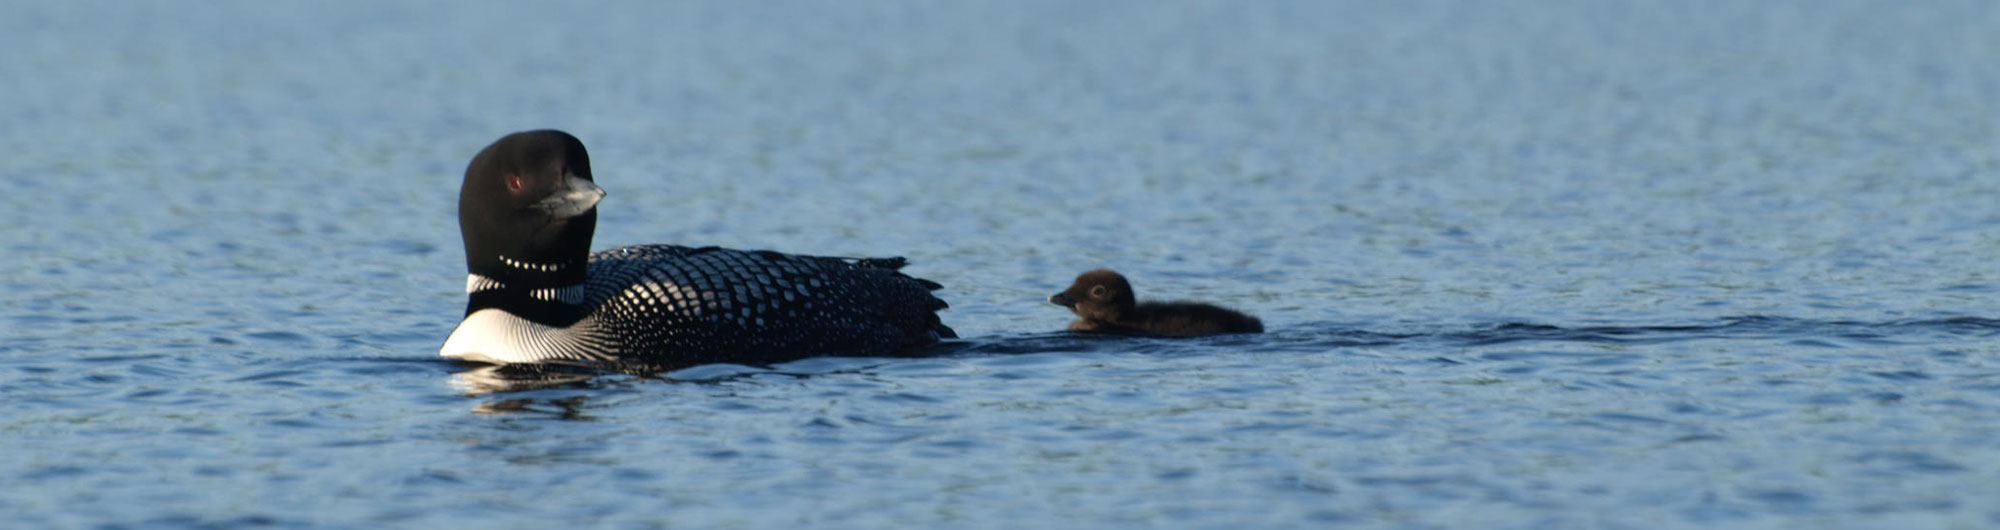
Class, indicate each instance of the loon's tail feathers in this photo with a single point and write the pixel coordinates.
(933, 326)
(895, 264)
(891, 263)
(942, 331)
(919, 340)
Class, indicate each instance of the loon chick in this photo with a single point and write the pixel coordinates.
(527, 211)
(1103, 301)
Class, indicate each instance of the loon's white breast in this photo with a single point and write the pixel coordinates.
(496, 336)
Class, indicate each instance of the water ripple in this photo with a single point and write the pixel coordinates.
(1556, 265)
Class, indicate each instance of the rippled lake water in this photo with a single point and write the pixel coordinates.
(1558, 264)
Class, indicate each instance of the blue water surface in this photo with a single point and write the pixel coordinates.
(1524, 265)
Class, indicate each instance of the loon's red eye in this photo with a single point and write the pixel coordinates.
(514, 182)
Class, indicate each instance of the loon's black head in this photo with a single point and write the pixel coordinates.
(1101, 295)
(527, 210)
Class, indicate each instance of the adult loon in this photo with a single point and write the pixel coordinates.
(527, 211)
(1103, 301)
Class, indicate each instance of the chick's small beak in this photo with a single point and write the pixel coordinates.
(1062, 299)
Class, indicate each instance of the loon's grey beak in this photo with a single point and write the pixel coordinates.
(577, 195)
(1062, 300)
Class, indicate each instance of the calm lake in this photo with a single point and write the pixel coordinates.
(1651, 264)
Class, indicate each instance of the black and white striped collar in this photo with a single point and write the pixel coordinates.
(573, 294)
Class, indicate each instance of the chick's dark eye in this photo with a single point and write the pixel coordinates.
(1097, 290)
